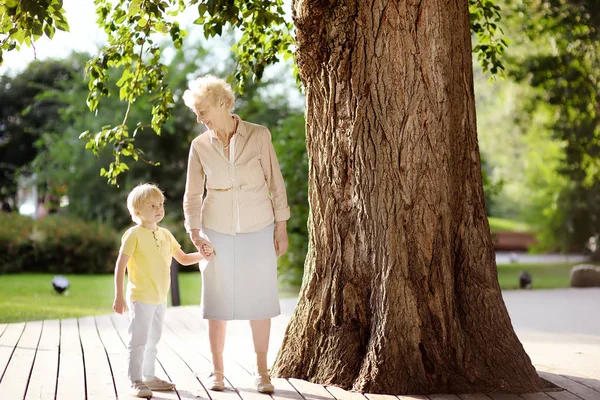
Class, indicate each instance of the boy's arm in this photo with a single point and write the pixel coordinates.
(119, 305)
(187, 259)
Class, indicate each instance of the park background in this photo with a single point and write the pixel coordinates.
(538, 136)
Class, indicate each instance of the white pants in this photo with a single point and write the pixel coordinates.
(145, 329)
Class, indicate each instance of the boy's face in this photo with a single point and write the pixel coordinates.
(152, 212)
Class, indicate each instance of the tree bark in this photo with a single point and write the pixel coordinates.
(400, 291)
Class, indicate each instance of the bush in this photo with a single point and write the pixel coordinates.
(57, 244)
(16, 249)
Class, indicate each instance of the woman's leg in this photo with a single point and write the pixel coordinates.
(261, 329)
(216, 337)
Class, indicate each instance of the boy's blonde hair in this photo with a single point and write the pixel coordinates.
(141, 195)
(209, 91)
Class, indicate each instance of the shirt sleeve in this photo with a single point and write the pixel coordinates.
(194, 190)
(174, 243)
(128, 243)
(270, 166)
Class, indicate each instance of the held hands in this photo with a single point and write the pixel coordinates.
(280, 238)
(203, 245)
(119, 305)
(207, 249)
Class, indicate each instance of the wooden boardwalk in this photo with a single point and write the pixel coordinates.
(85, 358)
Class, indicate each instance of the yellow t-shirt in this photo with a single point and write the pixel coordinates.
(149, 266)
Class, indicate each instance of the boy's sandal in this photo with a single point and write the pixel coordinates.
(263, 383)
(216, 381)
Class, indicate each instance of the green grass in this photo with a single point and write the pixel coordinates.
(501, 224)
(29, 297)
(544, 276)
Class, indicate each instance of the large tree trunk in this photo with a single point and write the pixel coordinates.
(400, 291)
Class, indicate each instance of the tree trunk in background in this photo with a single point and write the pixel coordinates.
(400, 291)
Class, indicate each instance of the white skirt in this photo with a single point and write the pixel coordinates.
(241, 281)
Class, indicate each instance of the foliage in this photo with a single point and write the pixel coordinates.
(133, 25)
(23, 22)
(485, 18)
(25, 114)
(63, 164)
(56, 243)
(16, 250)
(564, 68)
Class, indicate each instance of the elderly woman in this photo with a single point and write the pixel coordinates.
(243, 216)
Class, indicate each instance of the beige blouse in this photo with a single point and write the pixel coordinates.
(244, 193)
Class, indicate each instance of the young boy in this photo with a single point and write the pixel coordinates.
(146, 252)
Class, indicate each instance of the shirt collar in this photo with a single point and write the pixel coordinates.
(241, 129)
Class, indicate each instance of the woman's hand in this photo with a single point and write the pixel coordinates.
(280, 238)
(203, 245)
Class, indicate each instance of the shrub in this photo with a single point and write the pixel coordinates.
(16, 250)
(57, 243)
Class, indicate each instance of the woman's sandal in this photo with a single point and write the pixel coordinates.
(263, 383)
(216, 381)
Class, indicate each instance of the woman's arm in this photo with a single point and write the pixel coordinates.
(275, 183)
(194, 190)
(274, 178)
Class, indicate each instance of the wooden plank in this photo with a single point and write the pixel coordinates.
(535, 396)
(71, 371)
(16, 377)
(42, 383)
(505, 396)
(8, 343)
(309, 390)
(121, 324)
(100, 383)
(284, 390)
(117, 354)
(574, 387)
(341, 394)
(474, 396)
(589, 382)
(185, 343)
(373, 396)
(564, 395)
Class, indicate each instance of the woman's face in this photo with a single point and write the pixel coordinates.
(215, 118)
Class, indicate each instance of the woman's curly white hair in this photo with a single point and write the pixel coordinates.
(209, 91)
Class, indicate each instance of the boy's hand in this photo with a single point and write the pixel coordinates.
(207, 250)
(119, 305)
(200, 244)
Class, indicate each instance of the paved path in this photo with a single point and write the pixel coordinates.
(506, 257)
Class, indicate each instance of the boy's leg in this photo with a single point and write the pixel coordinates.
(140, 320)
(150, 379)
(153, 338)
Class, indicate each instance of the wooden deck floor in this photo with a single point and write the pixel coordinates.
(85, 358)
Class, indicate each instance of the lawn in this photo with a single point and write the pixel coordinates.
(544, 276)
(28, 297)
(501, 224)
